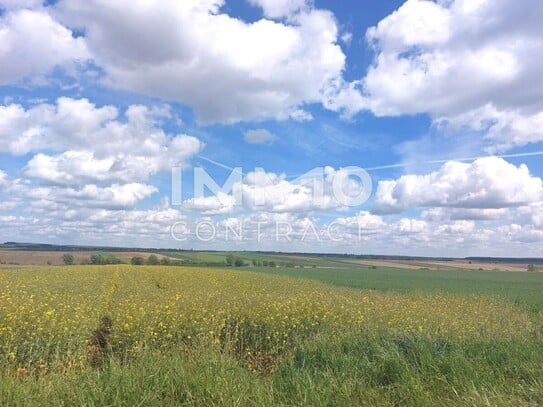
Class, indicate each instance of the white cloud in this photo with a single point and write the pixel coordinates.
(114, 196)
(226, 69)
(474, 64)
(370, 233)
(220, 203)
(280, 8)
(259, 136)
(487, 183)
(447, 214)
(347, 37)
(505, 129)
(97, 144)
(3, 178)
(32, 43)
(407, 225)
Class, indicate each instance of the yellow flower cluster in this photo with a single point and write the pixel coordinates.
(48, 314)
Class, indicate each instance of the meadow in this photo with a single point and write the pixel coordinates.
(163, 335)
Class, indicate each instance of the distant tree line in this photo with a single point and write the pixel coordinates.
(237, 261)
(102, 259)
(153, 260)
(95, 259)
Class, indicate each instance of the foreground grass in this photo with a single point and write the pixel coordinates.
(370, 370)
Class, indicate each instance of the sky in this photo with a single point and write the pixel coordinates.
(400, 127)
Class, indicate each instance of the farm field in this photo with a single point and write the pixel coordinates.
(156, 335)
(14, 258)
(521, 288)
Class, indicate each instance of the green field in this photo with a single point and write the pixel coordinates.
(268, 336)
(525, 289)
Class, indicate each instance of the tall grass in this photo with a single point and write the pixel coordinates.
(384, 370)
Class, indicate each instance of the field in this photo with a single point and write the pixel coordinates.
(350, 335)
(14, 258)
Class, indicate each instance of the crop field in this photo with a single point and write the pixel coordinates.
(158, 335)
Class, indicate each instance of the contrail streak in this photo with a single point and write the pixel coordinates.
(383, 167)
(401, 165)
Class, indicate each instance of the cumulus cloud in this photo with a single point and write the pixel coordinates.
(114, 196)
(96, 143)
(259, 136)
(430, 237)
(465, 63)
(32, 43)
(487, 183)
(504, 129)
(226, 69)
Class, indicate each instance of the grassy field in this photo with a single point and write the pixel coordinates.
(525, 289)
(142, 335)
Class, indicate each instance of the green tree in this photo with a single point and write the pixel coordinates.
(238, 262)
(68, 259)
(531, 268)
(230, 259)
(137, 261)
(165, 261)
(96, 258)
(152, 260)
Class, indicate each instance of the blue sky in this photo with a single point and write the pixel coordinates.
(440, 102)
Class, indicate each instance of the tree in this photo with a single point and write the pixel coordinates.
(137, 261)
(96, 259)
(165, 261)
(230, 259)
(531, 268)
(152, 260)
(68, 259)
(238, 262)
